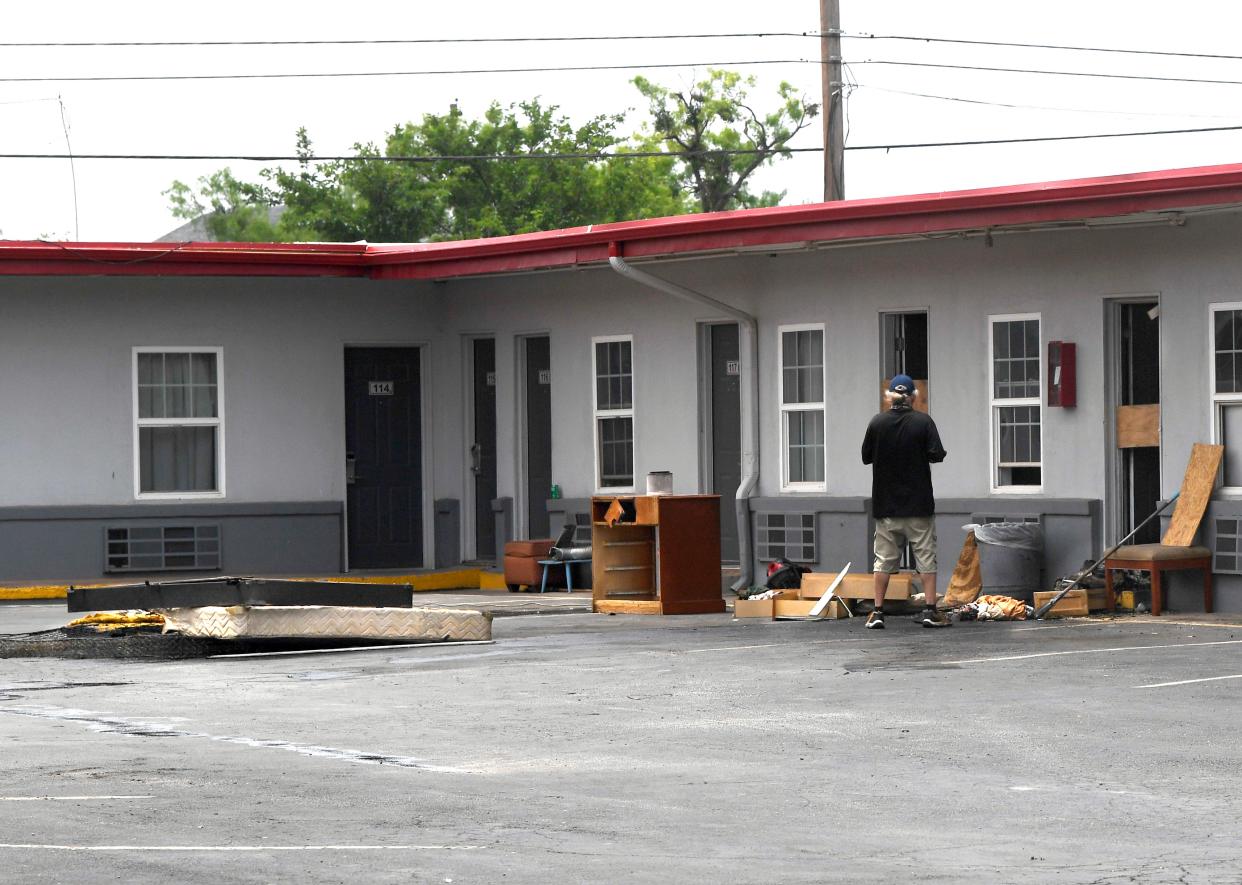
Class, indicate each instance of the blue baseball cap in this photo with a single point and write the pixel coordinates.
(902, 384)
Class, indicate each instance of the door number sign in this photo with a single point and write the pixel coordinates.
(733, 367)
(380, 388)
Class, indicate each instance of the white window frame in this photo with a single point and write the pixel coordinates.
(785, 409)
(597, 413)
(995, 404)
(1217, 400)
(217, 422)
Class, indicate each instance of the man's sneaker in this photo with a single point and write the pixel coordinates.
(875, 621)
(933, 618)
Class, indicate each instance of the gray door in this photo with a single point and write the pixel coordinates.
(483, 447)
(538, 435)
(384, 448)
(726, 430)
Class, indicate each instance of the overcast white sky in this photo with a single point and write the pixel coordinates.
(122, 200)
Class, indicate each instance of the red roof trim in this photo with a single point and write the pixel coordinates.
(1062, 201)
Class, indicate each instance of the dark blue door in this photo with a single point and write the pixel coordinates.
(384, 451)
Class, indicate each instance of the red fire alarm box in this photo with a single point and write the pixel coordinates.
(1062, 373)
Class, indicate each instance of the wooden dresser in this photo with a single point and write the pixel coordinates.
(665, 561)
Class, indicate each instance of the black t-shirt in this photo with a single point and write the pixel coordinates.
(902, 444)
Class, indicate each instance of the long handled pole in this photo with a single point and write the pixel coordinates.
(1044, 609)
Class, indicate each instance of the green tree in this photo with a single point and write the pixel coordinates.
(235, 211)
(386, 200)
(714, 116)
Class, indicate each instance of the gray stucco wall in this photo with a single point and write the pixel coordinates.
(65, 368)
(1066, 277)
(66, 388)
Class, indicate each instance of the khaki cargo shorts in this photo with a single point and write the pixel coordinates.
(892, 533)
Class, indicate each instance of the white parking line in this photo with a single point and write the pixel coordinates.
(65, 798)
(1093, 651)
(47, 847)
(1189, 681)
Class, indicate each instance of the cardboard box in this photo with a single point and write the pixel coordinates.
(753, 608)
(855, 586)
(801, 608)
(1074, 605)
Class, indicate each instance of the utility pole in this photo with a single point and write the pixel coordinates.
(831, 79)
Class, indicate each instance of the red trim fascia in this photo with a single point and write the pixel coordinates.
(45, 268)
(182, 259)
(821, 223)
(1062, 201)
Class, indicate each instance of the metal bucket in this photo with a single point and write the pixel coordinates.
(660, 482)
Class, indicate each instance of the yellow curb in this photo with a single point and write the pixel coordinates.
(456, 579)
(492, 581)
(33, 592)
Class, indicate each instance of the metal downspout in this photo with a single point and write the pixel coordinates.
(747, 351)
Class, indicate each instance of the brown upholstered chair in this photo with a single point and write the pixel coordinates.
(1174, 552)
(522, 566)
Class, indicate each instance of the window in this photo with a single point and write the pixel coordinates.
(1227, 388)
(614, 412)
(179, 439)
(1015, 403)
(802, 407)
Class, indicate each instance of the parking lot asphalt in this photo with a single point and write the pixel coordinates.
(593, 748)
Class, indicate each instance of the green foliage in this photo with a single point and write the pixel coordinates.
(714, 115)
(238, 212)
(466, 194)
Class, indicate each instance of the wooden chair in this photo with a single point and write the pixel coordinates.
(1174, 552)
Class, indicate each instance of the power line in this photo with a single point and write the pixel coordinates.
(587, 38)
(409, 41)
(597, 156)
(1096, 74)
(1039, 107)
(1057, 46)
(1037, 138)
(427, 73)
(617, 67)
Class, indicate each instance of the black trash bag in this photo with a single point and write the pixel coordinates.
(784, 575)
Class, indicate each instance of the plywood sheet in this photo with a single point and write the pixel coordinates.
(1138, 426)
(1196, 490)
(920, 402)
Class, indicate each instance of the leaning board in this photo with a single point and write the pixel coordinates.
(1196, 490)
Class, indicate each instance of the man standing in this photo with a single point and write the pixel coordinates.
(901, 444)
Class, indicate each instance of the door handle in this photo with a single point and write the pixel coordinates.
(476, 459)
(351, 468)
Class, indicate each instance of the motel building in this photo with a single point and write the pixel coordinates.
(213, 408)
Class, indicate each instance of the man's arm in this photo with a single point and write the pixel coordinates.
(935, 450)
(868, 444)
